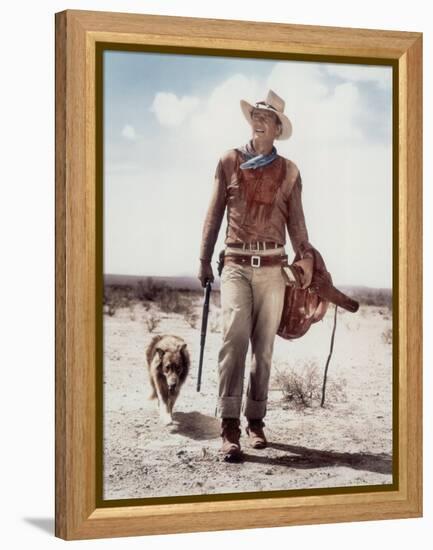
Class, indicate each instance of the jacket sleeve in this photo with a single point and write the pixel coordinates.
(214, 215)
(296, 221)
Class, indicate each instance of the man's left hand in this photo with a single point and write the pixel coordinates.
(306, 266)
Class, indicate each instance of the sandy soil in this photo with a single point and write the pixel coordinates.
(346, 443)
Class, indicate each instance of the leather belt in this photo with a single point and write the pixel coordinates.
(256, 261)
(258, 245)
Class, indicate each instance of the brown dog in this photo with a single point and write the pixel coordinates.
(168, 362)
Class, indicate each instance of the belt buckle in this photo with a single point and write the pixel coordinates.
(255, 261)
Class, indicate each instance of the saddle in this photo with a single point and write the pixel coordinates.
(303, 307)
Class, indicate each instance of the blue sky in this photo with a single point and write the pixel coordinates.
(168, 118)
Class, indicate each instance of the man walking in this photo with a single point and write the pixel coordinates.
(261, 192)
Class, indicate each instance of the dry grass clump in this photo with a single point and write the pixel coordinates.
(172, 300)
(147, 290)
(149, 294)
(152, 321)
(381, 297)
(387, 336)
(191, 318)
(159, 300)
(116, 297)
(302, 386)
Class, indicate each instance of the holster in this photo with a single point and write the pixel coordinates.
(220, 263)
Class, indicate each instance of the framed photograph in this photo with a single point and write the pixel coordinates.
(275, 383)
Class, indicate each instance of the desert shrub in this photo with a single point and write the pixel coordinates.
(151, 295)
(302, 387)
(191, 318)
(171, 300)
(148, 290)
(387, 336)
(116, 297)
(380, 297)
(152, 322)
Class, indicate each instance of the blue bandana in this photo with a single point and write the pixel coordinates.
(253, 160)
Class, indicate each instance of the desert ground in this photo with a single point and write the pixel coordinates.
(348, 442)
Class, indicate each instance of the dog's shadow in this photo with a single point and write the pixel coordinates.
(196, 425)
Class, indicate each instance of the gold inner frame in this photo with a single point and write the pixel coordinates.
(100, 48)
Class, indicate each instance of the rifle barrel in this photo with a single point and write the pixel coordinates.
(203, 331)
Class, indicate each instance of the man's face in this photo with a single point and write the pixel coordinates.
(265, 125)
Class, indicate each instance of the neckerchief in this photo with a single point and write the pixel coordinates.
(253, 159)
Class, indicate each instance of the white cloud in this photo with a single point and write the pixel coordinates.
(171, 110)
(220, 123)
(128, 132)
(317, 112)
(382, 76)
(298, 81)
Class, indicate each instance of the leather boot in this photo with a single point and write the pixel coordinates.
(230, 432)
(256, 435)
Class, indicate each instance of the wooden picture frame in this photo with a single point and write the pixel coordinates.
(79, 34)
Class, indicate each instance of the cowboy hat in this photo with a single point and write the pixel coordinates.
(275, 104)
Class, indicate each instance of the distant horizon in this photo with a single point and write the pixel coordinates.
(194, 278)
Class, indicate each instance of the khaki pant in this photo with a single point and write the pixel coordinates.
(252, 301)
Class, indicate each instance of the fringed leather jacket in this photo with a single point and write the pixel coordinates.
(260, 204)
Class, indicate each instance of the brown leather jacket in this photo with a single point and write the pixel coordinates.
(260, 204)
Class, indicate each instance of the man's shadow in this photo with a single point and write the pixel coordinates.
(305, 458)
(199, 427)
(196, 425)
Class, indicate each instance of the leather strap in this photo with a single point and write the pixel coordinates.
(256, 261)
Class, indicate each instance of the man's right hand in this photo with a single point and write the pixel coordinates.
(205, 273)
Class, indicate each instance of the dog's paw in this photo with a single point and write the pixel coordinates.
(165, 418)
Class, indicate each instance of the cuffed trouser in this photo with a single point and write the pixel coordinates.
(252, 301)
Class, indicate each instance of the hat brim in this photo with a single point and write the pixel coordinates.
(286, 125)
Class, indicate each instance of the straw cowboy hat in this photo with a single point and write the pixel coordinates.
(275, 104)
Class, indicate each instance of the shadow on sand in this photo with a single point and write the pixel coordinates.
(196, 425)
(305, 458)
(199, 427)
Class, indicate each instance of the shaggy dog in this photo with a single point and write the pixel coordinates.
(168, 363)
